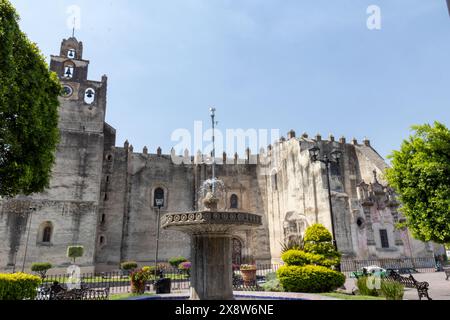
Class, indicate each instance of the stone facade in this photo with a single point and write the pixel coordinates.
(103, 196)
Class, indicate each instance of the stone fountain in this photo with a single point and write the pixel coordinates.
(211, 232)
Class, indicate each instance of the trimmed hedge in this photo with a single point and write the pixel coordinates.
(128, 265)
(41, 267)
(317, 233)
(309, 279)
(175, 261)
(74, 252)
(302, 258)
(18, 286)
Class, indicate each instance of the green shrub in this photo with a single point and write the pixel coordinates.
(18, 286)
(318, 240)
(271, 276)
(362, 284)
(74, 252)
(175, 261)
(272, 285)
(41, 268)
(317, 233)
(129, 265)
(309, 279)
(392, 290)
(302, 258)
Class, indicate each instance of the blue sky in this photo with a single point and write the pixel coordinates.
(312, 66)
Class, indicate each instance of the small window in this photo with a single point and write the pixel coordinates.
(102, 240)
(234, 202)
(158, 196)
(68, 71)
(275, 181)
(360, 222)
(71, 54)
(103, 219)
(89, 96)
(47, 235)
(107, 178)
(384, 238)
(106, 197)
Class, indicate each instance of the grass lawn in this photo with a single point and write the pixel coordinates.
(125, 296)
(344, 296)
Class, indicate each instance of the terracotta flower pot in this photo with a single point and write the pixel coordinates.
(249, 277)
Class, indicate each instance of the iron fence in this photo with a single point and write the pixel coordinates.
(116, 282)
(119, 282)
(419, 264)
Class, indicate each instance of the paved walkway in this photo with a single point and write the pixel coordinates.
(439, 288)
(242, 295)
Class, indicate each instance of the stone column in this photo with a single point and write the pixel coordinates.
(212, 274)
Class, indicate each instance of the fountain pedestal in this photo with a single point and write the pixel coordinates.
(211, 277)
(211, 252)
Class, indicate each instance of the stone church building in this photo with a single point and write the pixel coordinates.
(103, 196)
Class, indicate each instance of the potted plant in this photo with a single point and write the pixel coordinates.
(248, 272)
(139, 279)
(185, 267)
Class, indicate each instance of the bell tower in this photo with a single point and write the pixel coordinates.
(81, 123)
(72, 71)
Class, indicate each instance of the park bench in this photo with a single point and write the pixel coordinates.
(410, 282)
(58, 292)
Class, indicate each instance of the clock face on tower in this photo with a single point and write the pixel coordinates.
(67, 91)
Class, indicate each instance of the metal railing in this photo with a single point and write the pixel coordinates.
(419, 264)
(119, 282)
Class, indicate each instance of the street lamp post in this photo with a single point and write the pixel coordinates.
(333, 157)
(28, 239)
(213, 116)
(159, 204)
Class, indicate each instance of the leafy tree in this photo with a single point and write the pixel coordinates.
(28, 110)
(420, 174)
(74, 252)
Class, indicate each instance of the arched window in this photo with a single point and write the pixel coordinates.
(45, 233)
(69, 69)
(234, 202)
(89, 96)
(158, 196)
(102, 240)
(71, 54)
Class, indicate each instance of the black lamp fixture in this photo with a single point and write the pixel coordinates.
(333, 157)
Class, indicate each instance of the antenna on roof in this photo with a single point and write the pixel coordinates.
(74, 24)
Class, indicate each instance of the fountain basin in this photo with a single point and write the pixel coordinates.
(211, 250)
